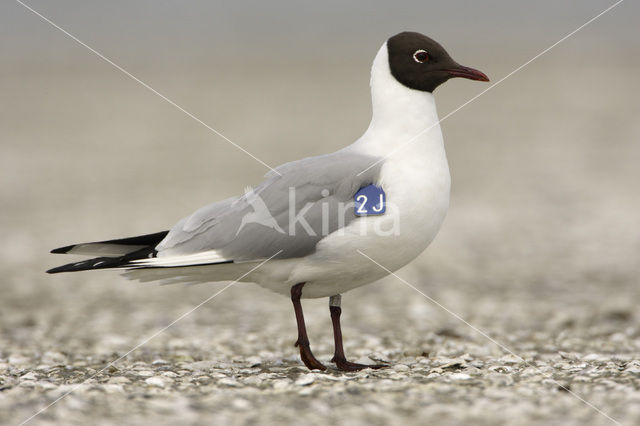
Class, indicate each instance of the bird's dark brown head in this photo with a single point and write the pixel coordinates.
(420, 63)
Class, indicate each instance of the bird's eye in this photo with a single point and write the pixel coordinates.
(420, 56)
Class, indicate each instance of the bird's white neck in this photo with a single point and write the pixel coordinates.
(399, 113)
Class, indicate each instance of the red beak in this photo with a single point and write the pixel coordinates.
(466, 72)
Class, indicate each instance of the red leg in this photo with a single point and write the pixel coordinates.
(303, 341)
(338, 357)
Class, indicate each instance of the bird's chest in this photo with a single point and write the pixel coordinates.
(416, 195)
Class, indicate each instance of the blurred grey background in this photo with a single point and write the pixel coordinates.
(540, 249)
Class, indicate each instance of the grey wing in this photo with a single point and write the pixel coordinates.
(291, 212)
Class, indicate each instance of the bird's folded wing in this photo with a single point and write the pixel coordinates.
(291, 212)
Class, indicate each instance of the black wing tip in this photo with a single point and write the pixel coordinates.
(62, 250)
(69, 267)
(142, 240)
(104, 262)
(88, 265)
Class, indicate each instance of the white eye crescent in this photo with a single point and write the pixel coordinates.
(420, 56)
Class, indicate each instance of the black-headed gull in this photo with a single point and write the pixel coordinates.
(385, 195)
